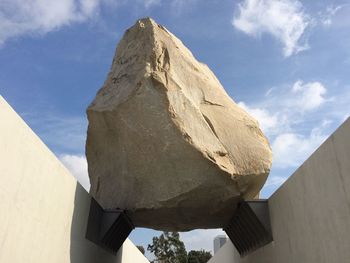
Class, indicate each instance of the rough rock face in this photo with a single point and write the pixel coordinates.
(165, 141)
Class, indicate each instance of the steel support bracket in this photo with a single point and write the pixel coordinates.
(249, 228)
(108, 228)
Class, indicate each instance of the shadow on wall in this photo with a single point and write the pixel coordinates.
(81, 249)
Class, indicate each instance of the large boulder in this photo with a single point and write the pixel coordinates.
(165, 141)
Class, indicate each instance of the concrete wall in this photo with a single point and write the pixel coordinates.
(226, 254)
(43, 210)
(310, 213)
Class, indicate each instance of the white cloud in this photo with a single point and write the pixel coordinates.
(308, 96)
(326, 17)
(38, 17)
(77, 165)
(149, 3)
(291, 149)
(288, 116)
(200, 239)
(284, 107)
(89, 7)
(285, 20)
(22, 17)
(266, 120)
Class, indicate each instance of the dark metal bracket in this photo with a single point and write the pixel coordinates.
(249, 228)
(108, 228)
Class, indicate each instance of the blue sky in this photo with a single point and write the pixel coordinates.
(287, 62)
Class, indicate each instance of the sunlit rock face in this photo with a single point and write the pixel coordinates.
(166, 142)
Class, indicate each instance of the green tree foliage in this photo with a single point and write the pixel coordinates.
(200, 256)
(168, 248)
(142, 249)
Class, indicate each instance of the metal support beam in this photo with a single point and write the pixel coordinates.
(249, 228)
(108, 228)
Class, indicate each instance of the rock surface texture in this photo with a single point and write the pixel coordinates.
(165, 141)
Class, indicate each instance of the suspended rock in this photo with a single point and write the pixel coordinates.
(165, 141)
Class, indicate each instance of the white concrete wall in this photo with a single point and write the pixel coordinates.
(43, 210)
(226, 254)
(310, 213)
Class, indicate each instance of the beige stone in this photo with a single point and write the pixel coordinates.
(166, 142)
